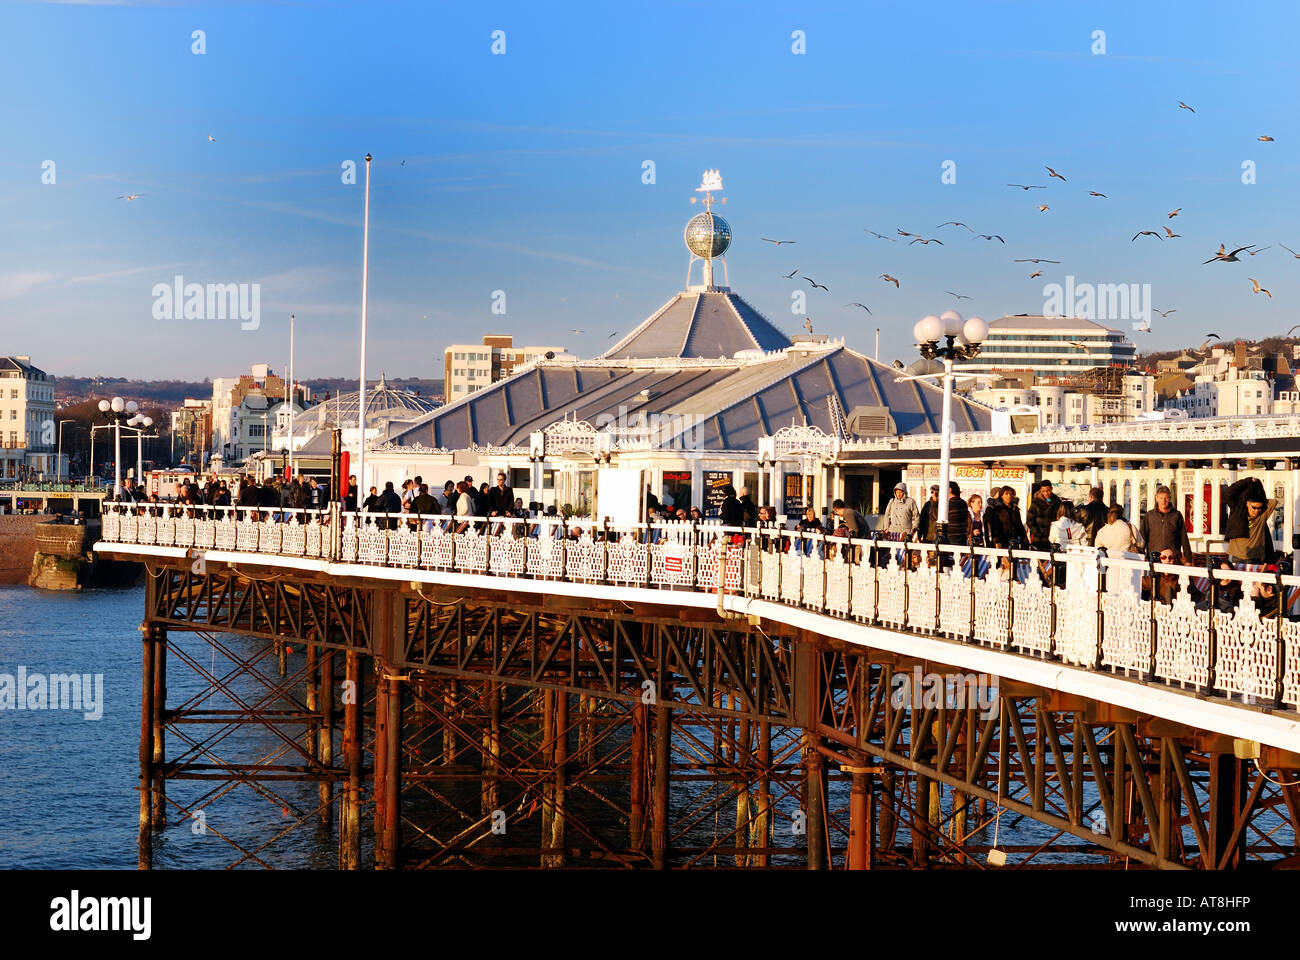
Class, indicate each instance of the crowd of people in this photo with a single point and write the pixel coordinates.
(1046, 523)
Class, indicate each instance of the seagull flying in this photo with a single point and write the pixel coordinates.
(1053, 173)
(131, 196)
(577, 331)
(1226, 257)
(807, 324)
(1184, 106)
(1289, 250)
(990, 236)
(1036, 260)
(815, 284)
(1036, 273)
(904, 233)
(1173, 213)
(954, 223)
(959, 296)
(1094, 193)
(888, 279)
(790, 275)
(1260, 250)
(923, 240)
(1028, 186)
(211, 138)
(777, 242)
(1043, 208)
(1165, 313)
(1169, 234)
(1265, 139)
(1292, 330)
(1258, 288)
(880, 236)
(856, 304)
(1147, 233)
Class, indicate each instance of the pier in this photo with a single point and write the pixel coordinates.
(687, 695)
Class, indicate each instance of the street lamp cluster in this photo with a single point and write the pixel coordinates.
(125, 413)
(962, 342)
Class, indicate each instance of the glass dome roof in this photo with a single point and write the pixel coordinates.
(708, 235)
(382, 403)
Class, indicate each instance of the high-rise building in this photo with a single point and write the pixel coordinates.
(240, 408)
(1060, 346)
(470, 366)
(27, 424)
(192, 432)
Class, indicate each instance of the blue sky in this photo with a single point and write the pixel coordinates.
(523, 171)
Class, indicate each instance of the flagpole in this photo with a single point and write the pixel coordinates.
(290, 399)
(361, 393)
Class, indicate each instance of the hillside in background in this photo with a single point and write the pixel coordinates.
(172, 393)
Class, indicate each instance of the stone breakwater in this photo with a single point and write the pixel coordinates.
(17, 546)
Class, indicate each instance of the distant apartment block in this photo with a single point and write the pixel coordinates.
(1057, 346)
(27, 422)
(471, 366)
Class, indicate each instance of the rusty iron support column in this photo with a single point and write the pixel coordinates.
(350, 808)
(389, 638)
(762, 832)
(144, 843)
(663, 758)
(159, 725)
(636, 777)
(545, 761)
(450, 699)
(311, 697)
(1228, 779)
(556, 842)
(815, 791)
(861, 827)
(491, 791)
(744, 799)
(325, 751)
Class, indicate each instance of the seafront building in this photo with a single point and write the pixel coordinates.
(28, 445)
(1051, 346)
(470, 366)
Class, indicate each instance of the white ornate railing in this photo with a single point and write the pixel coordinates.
(1236, 634)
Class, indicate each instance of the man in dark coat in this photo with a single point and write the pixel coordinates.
(1093, 514)
(749, 509)
(732, 512)
(1041, 515)
(927, 526)
(501, 499)
(1247, 528)
(958, 516)
(389, 502)
(1163, 528)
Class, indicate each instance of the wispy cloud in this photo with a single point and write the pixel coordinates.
(13, 285)
(128, 272)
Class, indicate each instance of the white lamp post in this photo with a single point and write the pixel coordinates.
(928, 332)
(116, 410)
(141, 423)
(361, 392)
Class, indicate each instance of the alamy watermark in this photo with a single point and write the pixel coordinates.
(954, 691)
(1099, 301)
(654, 430)
(209, 301)
(55, 691)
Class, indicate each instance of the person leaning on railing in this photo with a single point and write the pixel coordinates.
(809, 523)
(1247, 533)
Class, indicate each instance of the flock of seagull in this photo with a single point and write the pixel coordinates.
(1224, 255)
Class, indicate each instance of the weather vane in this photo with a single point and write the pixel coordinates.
(712, 180)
